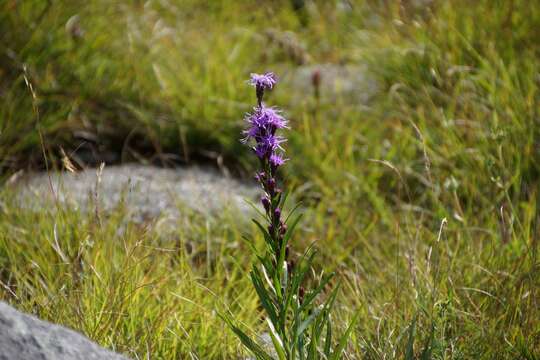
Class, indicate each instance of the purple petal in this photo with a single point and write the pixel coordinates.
(265, 81)
(277, 160)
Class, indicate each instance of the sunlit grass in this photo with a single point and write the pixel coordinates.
(424, 200)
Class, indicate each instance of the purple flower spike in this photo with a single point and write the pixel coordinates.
(265, 81)
(263, 133)
(263, 125)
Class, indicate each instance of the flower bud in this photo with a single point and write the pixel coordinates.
(260, 176)
(265, 202)
(316, 82)
(316, 78)
(271, 184)
(277, 213)
(290, 266)
(282, 228)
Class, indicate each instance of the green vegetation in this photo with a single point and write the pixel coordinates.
(425, 201)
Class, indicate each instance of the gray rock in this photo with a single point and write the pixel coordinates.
(348, 83)
(148, 192)
(421, 3)
(265, 342)
(24, 337)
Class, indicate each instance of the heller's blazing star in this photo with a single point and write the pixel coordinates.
(263, 123)
(297, 323)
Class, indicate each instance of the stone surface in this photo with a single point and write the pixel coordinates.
(265, 342)
(25, 337)
(148, 192)
(347, 83)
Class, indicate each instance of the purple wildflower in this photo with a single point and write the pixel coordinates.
(265, 81)
(262, 132)
(263, 124)
(261, 83)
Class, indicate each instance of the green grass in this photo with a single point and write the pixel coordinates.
(453, 134)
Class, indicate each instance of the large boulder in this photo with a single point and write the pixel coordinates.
(25, 337)
(349, 84)
(148, 192)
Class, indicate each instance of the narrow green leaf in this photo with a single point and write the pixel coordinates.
(336, 355)
(428, 346)
(304, 324)
(284, 198)
(328, 338)
(287, 236)
(276, 200)
(267, 236)
(276, 341)
(249, 242)
(313, 293)
(294, 209)
(255, 207)
(298, 276)
(259, 353)
(293, 224)
(264, 297)
(285, 276)
(329, 303)
(251, 345)
(409, 355)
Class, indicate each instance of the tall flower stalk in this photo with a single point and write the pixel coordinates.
(299, 322)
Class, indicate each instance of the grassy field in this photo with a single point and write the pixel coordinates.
(424, 201)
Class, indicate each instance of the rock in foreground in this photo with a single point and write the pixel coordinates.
(24, 337)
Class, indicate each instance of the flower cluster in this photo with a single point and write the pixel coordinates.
(297, 321)
(263, 124)
(262, 82)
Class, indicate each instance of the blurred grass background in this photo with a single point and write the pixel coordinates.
(451, 133)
